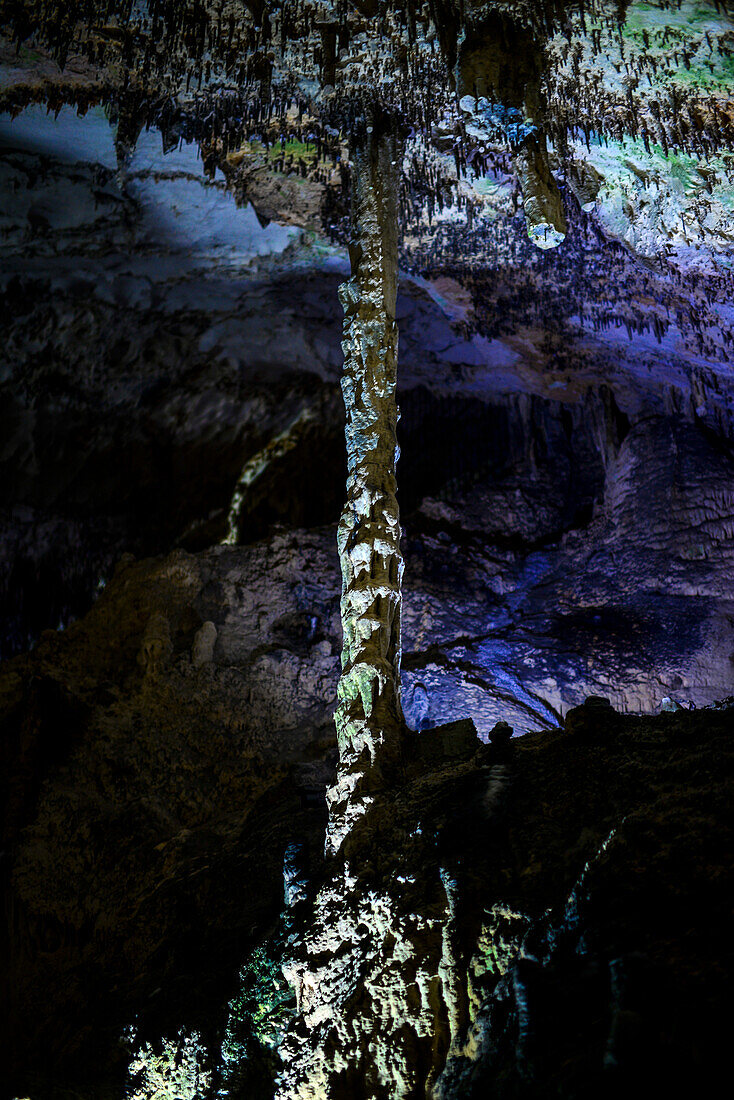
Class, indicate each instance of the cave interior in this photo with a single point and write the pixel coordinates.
(367, 560)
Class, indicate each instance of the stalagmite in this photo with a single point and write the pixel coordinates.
(156, 647)
(205, 639)
(368, 717)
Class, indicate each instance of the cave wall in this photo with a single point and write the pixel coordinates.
(169, 383)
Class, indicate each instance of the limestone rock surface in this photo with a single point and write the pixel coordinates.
(156, 827)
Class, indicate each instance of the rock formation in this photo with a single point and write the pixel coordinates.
(368, 718)
(552, 909)
(503, 866)
(156, 648)
(202, 653)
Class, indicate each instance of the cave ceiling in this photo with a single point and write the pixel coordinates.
(175, 221)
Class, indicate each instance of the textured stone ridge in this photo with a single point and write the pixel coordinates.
(368, 716)
(548, 917)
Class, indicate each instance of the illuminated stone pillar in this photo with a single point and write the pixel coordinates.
(368, 717)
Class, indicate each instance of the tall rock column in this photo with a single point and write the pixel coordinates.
(368, 717)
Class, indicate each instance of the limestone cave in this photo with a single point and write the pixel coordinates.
(367, 560)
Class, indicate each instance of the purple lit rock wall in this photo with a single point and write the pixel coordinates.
(565, 481)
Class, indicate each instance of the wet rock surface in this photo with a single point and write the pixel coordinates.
(547, 559)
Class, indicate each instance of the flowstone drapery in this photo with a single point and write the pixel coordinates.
(368, 717)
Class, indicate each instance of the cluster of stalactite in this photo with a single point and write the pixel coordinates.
(675, 118)
(179, 40)
(660, 104)
(223, 76)
(222, 73)
(382, 50)
(226, 119)
(593, 280)
(400, 53)
(54, 96)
